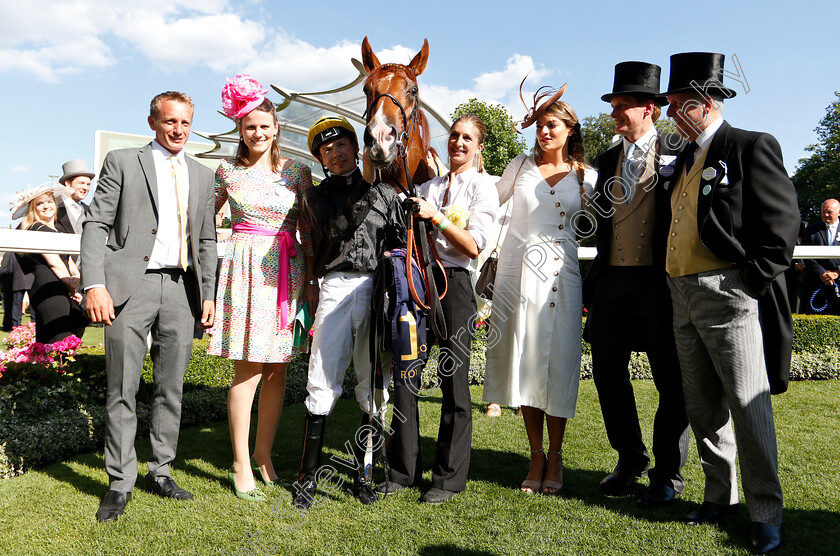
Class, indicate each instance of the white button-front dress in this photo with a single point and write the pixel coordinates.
(533, 353)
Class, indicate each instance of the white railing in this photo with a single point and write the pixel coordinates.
(22, 241)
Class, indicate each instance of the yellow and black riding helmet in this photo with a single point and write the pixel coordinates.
(327, 129)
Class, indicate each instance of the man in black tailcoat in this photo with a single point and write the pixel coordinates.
(626, 291)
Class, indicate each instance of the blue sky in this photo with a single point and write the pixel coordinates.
(69, 68)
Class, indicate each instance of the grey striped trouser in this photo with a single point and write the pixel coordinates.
(719, 343)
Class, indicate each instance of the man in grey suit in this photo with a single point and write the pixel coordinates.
(149, 247)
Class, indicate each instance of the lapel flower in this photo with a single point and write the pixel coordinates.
(240, 95)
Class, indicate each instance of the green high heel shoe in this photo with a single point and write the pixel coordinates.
(258, 472)
(252, 495)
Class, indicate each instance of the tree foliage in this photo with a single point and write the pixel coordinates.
(665, 125)
(817, 177)
(502, 142)
(598, 132)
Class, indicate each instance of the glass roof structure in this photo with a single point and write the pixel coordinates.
(298, 111)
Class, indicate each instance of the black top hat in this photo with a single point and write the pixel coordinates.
(636, 78)
(697, 71)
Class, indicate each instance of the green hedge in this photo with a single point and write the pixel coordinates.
(47, 423)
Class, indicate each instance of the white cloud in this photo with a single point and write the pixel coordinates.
(298, 65)
(20, 169)
(51, 39)
(496, 87)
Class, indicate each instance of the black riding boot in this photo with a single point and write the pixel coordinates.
(364, 484)
(310, 460)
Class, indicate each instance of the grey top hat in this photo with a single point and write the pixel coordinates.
(74, 168)
(701, 72)
(636, 78)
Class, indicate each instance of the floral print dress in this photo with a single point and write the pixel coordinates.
(248, 325)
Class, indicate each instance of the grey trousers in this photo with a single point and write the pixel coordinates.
(719, 344)
(160, 305)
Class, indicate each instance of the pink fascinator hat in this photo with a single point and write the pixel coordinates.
(240, 95)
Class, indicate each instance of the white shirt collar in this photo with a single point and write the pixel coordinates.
(158, 150)
(644, 143)
(706, 135)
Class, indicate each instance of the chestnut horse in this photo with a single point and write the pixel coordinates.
(397, 133)
(396, 143)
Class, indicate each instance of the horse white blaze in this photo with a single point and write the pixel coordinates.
(383, 132)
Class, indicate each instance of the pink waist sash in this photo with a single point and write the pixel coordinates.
(287, 249)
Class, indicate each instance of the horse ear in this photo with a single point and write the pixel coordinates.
(369, 59)
(418, 63)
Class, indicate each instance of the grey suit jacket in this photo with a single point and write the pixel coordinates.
(119, 231)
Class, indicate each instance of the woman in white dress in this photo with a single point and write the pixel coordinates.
(533, 359)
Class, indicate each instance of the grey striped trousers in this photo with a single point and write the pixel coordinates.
(719, 344)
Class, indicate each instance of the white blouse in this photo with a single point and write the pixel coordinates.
(473, 192)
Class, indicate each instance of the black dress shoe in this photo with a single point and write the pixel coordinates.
(621, 478)
(764, 538)
(112, 505)
(389, 487)
(437, 495)
(657, 495)
(166, 487)
(709, 512)
(365, 493)
(307, 488)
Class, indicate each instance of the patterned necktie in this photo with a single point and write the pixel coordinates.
(631, 171)
(182, 214)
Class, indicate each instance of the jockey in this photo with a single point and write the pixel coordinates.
(353, 223)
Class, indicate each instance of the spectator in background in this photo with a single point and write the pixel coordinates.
(821, 274)
(53, 294)
(71, 211)
(14, 284)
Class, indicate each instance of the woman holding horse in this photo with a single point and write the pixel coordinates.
(462, 205)
(537, 304)
(261, 282)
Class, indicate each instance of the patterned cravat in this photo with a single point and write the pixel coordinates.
(182, 214)
(631, 171)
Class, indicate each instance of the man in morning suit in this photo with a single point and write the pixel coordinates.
(149, 252)
(626, 291)
(822, 273)
(733, 228)
(71, 211)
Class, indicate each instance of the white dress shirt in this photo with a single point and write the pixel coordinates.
(476, 193)
(167, 248)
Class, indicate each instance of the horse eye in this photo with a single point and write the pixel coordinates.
(414, 90)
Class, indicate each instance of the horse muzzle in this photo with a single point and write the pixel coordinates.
(381, 141)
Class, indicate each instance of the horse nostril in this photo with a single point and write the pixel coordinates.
(368, 138)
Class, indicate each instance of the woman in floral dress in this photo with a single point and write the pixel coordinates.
(262, 276)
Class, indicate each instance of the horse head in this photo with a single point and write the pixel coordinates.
(395, 123)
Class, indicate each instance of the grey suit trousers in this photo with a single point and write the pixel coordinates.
(161, 305)
(719, 343)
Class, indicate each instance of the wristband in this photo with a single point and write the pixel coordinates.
(437, 218)
(444, 223)
(312, 282)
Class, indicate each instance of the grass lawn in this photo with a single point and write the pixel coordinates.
(51, 510)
